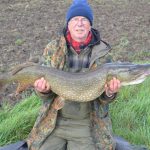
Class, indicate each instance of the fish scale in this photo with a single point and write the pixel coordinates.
(81, 87)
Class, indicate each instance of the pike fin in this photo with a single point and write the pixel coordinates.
(22, 86)
(22, 66)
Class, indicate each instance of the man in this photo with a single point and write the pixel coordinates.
(74, 125)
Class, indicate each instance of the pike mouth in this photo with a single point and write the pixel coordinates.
(136, 81)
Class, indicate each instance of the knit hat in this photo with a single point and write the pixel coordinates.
(80, 8)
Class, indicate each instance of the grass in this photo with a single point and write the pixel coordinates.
(130, 115)
(16, 122)
(19, 42)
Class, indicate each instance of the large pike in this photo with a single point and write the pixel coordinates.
(77, 86)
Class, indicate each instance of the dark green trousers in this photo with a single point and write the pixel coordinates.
(70, 135)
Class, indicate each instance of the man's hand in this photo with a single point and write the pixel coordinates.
(41, 85)
(112, 87)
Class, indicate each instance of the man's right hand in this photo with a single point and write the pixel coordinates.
(41, 85)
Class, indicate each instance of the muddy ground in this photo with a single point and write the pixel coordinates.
(26, 26)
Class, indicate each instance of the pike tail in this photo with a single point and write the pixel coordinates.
(6, 78)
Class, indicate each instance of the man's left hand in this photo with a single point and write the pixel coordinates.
(112, 87)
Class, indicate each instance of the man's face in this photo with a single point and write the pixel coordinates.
(79, 28)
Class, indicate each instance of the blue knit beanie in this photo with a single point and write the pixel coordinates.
(80, 8)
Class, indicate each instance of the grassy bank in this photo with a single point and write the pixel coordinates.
(16, 122)
(130, 114)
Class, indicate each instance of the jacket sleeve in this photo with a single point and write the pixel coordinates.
(46, 61)
(46, 96)
(104, 99)
(107, 58)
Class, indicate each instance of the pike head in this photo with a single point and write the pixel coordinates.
(129, 74)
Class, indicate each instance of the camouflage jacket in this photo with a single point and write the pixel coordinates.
(55, 56)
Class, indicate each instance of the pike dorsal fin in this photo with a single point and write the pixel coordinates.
(22, 66)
